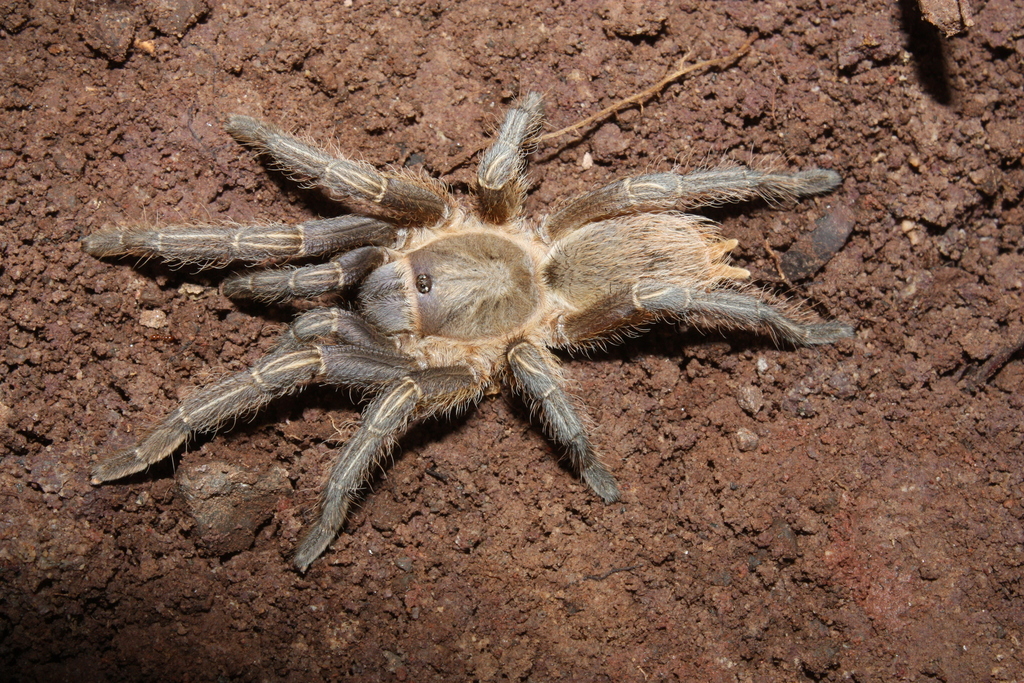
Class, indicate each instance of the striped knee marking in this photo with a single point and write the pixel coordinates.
(347, 174)
(392, 403)
(649, 188)
(341, 278)
(499, 161)
(515, 355)
(257, 378)
(640, 300)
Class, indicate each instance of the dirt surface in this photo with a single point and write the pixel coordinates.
(846, 513)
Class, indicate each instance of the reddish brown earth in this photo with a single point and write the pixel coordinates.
(846, 513)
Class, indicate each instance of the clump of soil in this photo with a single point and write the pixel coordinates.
(850, 512)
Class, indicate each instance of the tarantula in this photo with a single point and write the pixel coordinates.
(451, 301)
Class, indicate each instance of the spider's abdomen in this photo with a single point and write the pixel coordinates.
(609, 257)
(470, 286)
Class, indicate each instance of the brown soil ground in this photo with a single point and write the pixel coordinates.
(846, 513)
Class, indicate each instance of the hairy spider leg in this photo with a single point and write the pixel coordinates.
(501, 181)
(408, 199)
(211, 406)
(278, 373)
(279, 284)
(537, 375)
(745, 309)
(223, 244)
(385, 419)
(671, 191)
(333, 326)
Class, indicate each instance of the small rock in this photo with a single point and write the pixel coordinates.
(229, 503)
(750, 399)
(949, 16)
(111, 32)
(842, 385)
(814, 249)
(15, 14)
(175, 17)
(780, 541)
(109, 300)
(798, 405)
(819, 659)
(1006, 138)
(191, 290)
(48, 471)
(929, 571)
(745, 440)
(720, 578)
(153, 319)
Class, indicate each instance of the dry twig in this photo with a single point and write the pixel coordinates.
(647, 93)
(637, 98)
(993, 365)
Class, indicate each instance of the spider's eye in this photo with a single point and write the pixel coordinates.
(424, 283)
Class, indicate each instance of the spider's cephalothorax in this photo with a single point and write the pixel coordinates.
(451, 301)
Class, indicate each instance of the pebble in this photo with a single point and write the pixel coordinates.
(153, 319)
(814, 249)
(745, 440)
(750, 399)
(111, 32)
(229, 503)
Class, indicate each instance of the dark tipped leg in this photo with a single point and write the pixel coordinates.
(727, 307)
(747, 309)
(418, 203)
(213, 405)
(307, 281)
(537, 374)
(384, 420)
(501, 186)
(670, 191)
(223, 244)
(292, 363)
